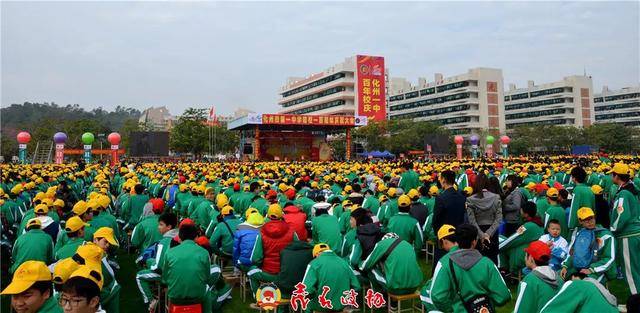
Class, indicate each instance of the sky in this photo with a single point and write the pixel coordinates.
(238, 54)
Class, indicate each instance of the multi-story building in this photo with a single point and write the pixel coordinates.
(465, 103)
(565, 102)
(331, 92)
(618, 106)
(156, 119)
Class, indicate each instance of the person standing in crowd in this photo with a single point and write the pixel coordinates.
(602, 208)
(556, 212)
(625, 225)
(582, 196)
(409, 179)
(403, 224)
(449, 207)
(464, 275)
(484, 210)
(511, 205)
(541, 284)
(134, 206)
(34, 245)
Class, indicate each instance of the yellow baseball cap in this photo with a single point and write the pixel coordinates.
(620, 168)
(106, 233)
(585, 213)
(73, 224)
(183, 187)
(80, 207)
(90, 253)
(58, 203)
(348, 188)
(222, 200)
(63, 269)
(413, 194)
(34, 222)
(383, 198)
(552, 192)
(391, 192)
(433, 190)
(250, 211)
(26, 275)
(275, 211)
(404, 201)
(468, 190)
(255, 219)
(446, 230)
(90, 272)
(596, 189)
(227, 210)
(41, 209)
(317, 249)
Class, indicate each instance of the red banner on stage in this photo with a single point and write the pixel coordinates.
(315, 120)
(371, 87)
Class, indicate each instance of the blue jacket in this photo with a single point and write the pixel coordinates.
(243, 242)
(172, 196)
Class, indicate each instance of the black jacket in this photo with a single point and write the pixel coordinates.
(294, 260)
(448, 209)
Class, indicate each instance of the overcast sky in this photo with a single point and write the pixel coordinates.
(239, 54)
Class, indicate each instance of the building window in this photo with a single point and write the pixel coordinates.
(432, 112)
(318, 107)
(314, 96)
(536, 123)
(622, 97)
(533, 104)
(546, 92)
(452, 86)
(314, 84)
(411, 95)
(534, 114)
(425, 102)
(598, 99)
(616, 115)
(428, 91)
(612, 107)
(396, 98)
(520, 96)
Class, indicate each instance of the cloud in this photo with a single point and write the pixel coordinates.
(238, 54)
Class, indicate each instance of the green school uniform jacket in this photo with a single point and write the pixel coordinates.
(328, 269)
(186, 260)
(69, 248)
(222, 238)
(536, 289)
(625, 214)
(476, 275)
(194, 202)
(202, 214)
(409, 180)
(146, 232)
(579, 296)
(513, 247)
(372, 204)
(408, 228)
(182, 200)
(135, 206)
(582, 197)
(50, 306)
(261, 204)
(401, 267)
(34, 245)
(325, 228)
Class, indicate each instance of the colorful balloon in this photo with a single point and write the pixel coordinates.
(474, 139)
(23, 137)
(87, 138)
(458, 139)
(60, 137)
(505, 140)
(114, 138)
(490, 140)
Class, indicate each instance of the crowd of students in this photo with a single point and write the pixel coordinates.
(562, 226)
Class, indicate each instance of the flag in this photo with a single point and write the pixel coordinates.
(212, 117)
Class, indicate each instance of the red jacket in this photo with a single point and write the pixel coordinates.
(296, 220)
(276, 235)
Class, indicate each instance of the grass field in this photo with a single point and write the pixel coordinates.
(131, 300)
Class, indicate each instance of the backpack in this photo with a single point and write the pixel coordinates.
(585, 247)
(148, 253)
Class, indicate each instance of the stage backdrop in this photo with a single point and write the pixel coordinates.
(149, 144)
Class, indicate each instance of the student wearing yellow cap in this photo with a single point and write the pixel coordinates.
(556, 212)
(132, 209)
(582, 196)
(74, 229)
(34, 245)
(31, 289)
(625, 225)
(105, 238)
(330, 270)
(202, 214)
(592, 250)
(403, 224)
(446, 241)
(182, 199)
(221, 241)
(81, 292)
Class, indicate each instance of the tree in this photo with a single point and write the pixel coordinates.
(190, 134)
(613, 137)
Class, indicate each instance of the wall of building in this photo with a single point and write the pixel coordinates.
(618, 106)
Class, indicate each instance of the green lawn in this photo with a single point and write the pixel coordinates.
(131, 300)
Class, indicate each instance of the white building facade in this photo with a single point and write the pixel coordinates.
(565, 102)
(330, 92)
(465, 103)
(618, 106)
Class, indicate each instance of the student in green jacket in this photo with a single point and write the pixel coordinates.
(31, 289)
(202, 213)
(556, 212)
(221, 241)
(541, 284)
(625, 225)
(187, 260)
(182, 199)
(167, 226)
(476, 275)
(581, 295)
(403, 224)
(75, 231)
(446, 241)
(512, 248)
(582, 196)
(409, 179)
(399, 274)
(325, 227)
(105, 238)
(146, 233)
(134, 206)
(34, 245)
(603, 265)
(328, 272)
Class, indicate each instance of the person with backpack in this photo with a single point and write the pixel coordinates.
(328, 272)
(625, 225)
(392, 266)
(541, 284)
(167, 226)
(403, 224)
(591, 251)
(464, 280)
(221, 241)
(448, 242)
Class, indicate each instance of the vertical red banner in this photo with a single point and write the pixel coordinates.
(370, 78)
